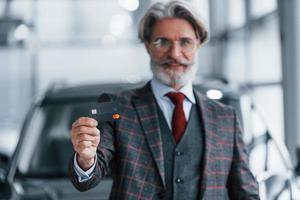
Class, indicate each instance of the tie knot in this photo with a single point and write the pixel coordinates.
(176, 97)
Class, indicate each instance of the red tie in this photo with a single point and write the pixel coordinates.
(178, 119)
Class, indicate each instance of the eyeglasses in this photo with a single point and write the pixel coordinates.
(163, 45)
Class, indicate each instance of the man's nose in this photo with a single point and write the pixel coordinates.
(175, 51)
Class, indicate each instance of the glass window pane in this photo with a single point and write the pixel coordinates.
(267, 112)
(262, 7)
(255, 56)
(269, 101)
(2, 6)
(88, 20)
(22, 9)
(236, 13)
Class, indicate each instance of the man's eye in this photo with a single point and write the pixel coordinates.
(185, 42)
(161, 42)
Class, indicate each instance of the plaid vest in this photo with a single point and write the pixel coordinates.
(183, 162)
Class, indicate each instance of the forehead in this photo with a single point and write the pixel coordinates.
(173, 28)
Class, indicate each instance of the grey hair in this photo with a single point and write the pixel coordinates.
(172, 9)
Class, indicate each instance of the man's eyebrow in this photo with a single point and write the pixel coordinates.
(186, 38)
(161, 37)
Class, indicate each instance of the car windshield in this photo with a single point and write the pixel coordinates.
(47, 146)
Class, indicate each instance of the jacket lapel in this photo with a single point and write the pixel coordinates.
(210, 129)
(147, 112)
(146, 109)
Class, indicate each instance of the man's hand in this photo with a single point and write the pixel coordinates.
(85, 138)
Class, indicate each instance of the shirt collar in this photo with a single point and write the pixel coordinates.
(160, 90)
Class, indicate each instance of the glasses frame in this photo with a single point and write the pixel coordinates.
(186, 44)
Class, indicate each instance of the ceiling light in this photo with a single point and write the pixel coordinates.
(130, 5)
(214, 94)
(21, 32)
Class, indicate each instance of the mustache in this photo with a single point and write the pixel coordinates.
(169, 61)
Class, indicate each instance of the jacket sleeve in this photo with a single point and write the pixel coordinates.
(241, 183)
(105, 154)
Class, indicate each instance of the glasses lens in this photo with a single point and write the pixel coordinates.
(187, 44)
(164, 44)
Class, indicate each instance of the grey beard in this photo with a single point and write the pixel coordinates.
(169, 77)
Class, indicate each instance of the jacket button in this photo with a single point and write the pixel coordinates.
(178, 153)
(178, 180)
(161, 195)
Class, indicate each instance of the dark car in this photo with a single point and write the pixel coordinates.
(38, 167)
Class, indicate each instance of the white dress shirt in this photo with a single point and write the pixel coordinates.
(165, 104)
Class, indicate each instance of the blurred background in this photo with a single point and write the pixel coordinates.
(254, 47)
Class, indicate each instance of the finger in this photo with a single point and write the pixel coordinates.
(84, 145)
(86, 130)
(86, 137)
(85, 121)
(95, 140)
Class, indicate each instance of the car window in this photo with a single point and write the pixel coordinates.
(51, 141)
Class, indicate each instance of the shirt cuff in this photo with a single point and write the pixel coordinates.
(81, 174)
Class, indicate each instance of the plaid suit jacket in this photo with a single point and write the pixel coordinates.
(132, 149)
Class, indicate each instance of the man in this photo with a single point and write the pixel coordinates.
(171, 142)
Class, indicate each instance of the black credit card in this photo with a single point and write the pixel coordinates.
(105, 111)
